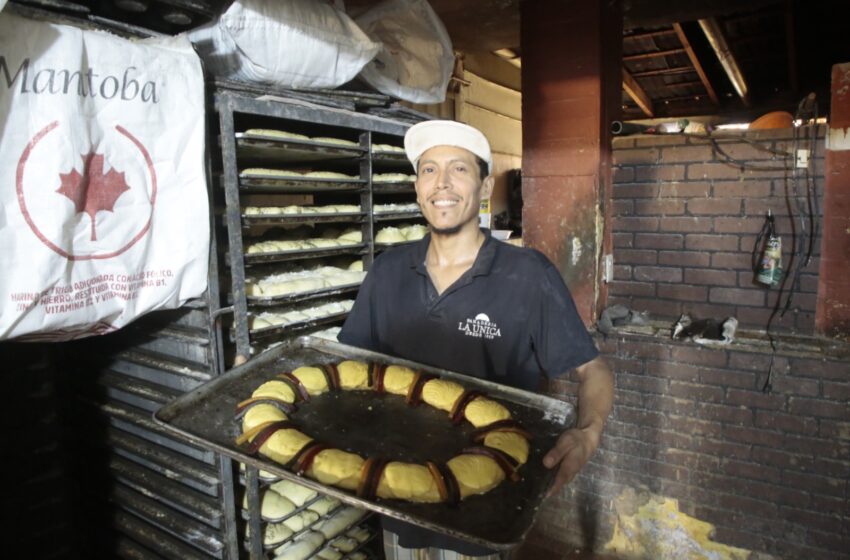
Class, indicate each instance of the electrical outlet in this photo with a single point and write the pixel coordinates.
(608, 268)
(802, 159)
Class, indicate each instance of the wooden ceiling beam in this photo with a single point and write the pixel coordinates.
(665, 71)
(652, 54)
(637, 93)
(717, 40)
(649, 34)
(677, 27)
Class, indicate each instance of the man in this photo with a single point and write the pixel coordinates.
(463, 301)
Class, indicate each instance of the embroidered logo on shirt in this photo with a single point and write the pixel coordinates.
(480, 327)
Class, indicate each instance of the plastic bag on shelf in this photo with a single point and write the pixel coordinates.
(294, 44)
(416, 61)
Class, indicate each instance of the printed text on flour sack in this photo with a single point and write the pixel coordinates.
(93, 291)
(83, 82)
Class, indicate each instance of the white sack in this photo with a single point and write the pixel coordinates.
(291, 43)
(103, 201)
(416, 61)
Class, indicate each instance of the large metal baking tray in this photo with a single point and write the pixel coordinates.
(289, 149)
(278, 330)
(391, 187)
(278, 219)
(372, 424)
(395, 216)
(281, 256)
(302, 296)
(265, 183)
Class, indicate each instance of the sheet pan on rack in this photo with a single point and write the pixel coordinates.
(370, 424)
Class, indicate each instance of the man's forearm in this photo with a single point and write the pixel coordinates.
(595, 396)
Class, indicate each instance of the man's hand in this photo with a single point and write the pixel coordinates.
(571, 452)
(575, 447)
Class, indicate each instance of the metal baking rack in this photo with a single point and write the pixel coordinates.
(392, 187)
(395, 216)
(278, 219)
(262, 183)
(302, 254)
(304, 296)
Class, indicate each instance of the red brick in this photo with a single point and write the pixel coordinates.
(786, 422)
(683, 258)
(737, 261)
(816, 446)
(754, 471)
(660, 140)
(791, 385)
(756, 361)
(659, 207)
(710, 277)
(715, 207)
(836, 391)
(695, 391)
(670, 370)
(636, 156)
(688, 426)
(661, 308)
(711, 242)
(736, 296)
(633, 256)
(742, 189)
(657, 274)
(750, 435)
(724, 413)
(655, 351)
(622, 175)
(635, 190)
(760, 206)
(685, 190)
(694, 354)
(622, 272)
(759, 317)
(710, 310)
(725, 378)
(781, 458)
(743, 151)
(623, 240)
(682, 292)
(824, 369)
(689, 224)
(621, 288)
(622, 207)
(818, 408)
(668, 405)
(677, 154)
(737, 225)
(622, 142)
(638, 416)
(642, 383)
(635, 224)
(713, 171)
(827, 486)
(755, 399)
(660, 173)
(659, 241)
(721, 448)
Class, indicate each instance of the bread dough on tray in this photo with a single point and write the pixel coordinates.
(500, 445)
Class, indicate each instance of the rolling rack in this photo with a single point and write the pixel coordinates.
(305, 132)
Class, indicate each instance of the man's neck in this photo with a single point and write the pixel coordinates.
(454, 250)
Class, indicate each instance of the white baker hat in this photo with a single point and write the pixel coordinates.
(422, 136)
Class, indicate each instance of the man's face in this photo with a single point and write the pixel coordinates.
(449, 189)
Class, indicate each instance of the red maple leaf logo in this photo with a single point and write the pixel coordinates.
(93, 190)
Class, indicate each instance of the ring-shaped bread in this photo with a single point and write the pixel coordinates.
(500, 444)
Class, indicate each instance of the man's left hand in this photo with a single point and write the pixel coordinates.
(571, 452)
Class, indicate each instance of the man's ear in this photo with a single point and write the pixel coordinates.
(487, 186)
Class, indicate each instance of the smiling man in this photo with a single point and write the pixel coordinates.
(463, 301)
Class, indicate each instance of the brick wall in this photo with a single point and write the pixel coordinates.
(768, 470)
(685, 223)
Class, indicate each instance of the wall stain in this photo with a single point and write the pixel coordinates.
(651, 527)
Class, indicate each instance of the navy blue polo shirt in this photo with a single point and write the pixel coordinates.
(510, 319)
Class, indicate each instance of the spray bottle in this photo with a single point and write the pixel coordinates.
(769, 270)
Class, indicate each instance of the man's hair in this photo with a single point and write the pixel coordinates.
(483, 168)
